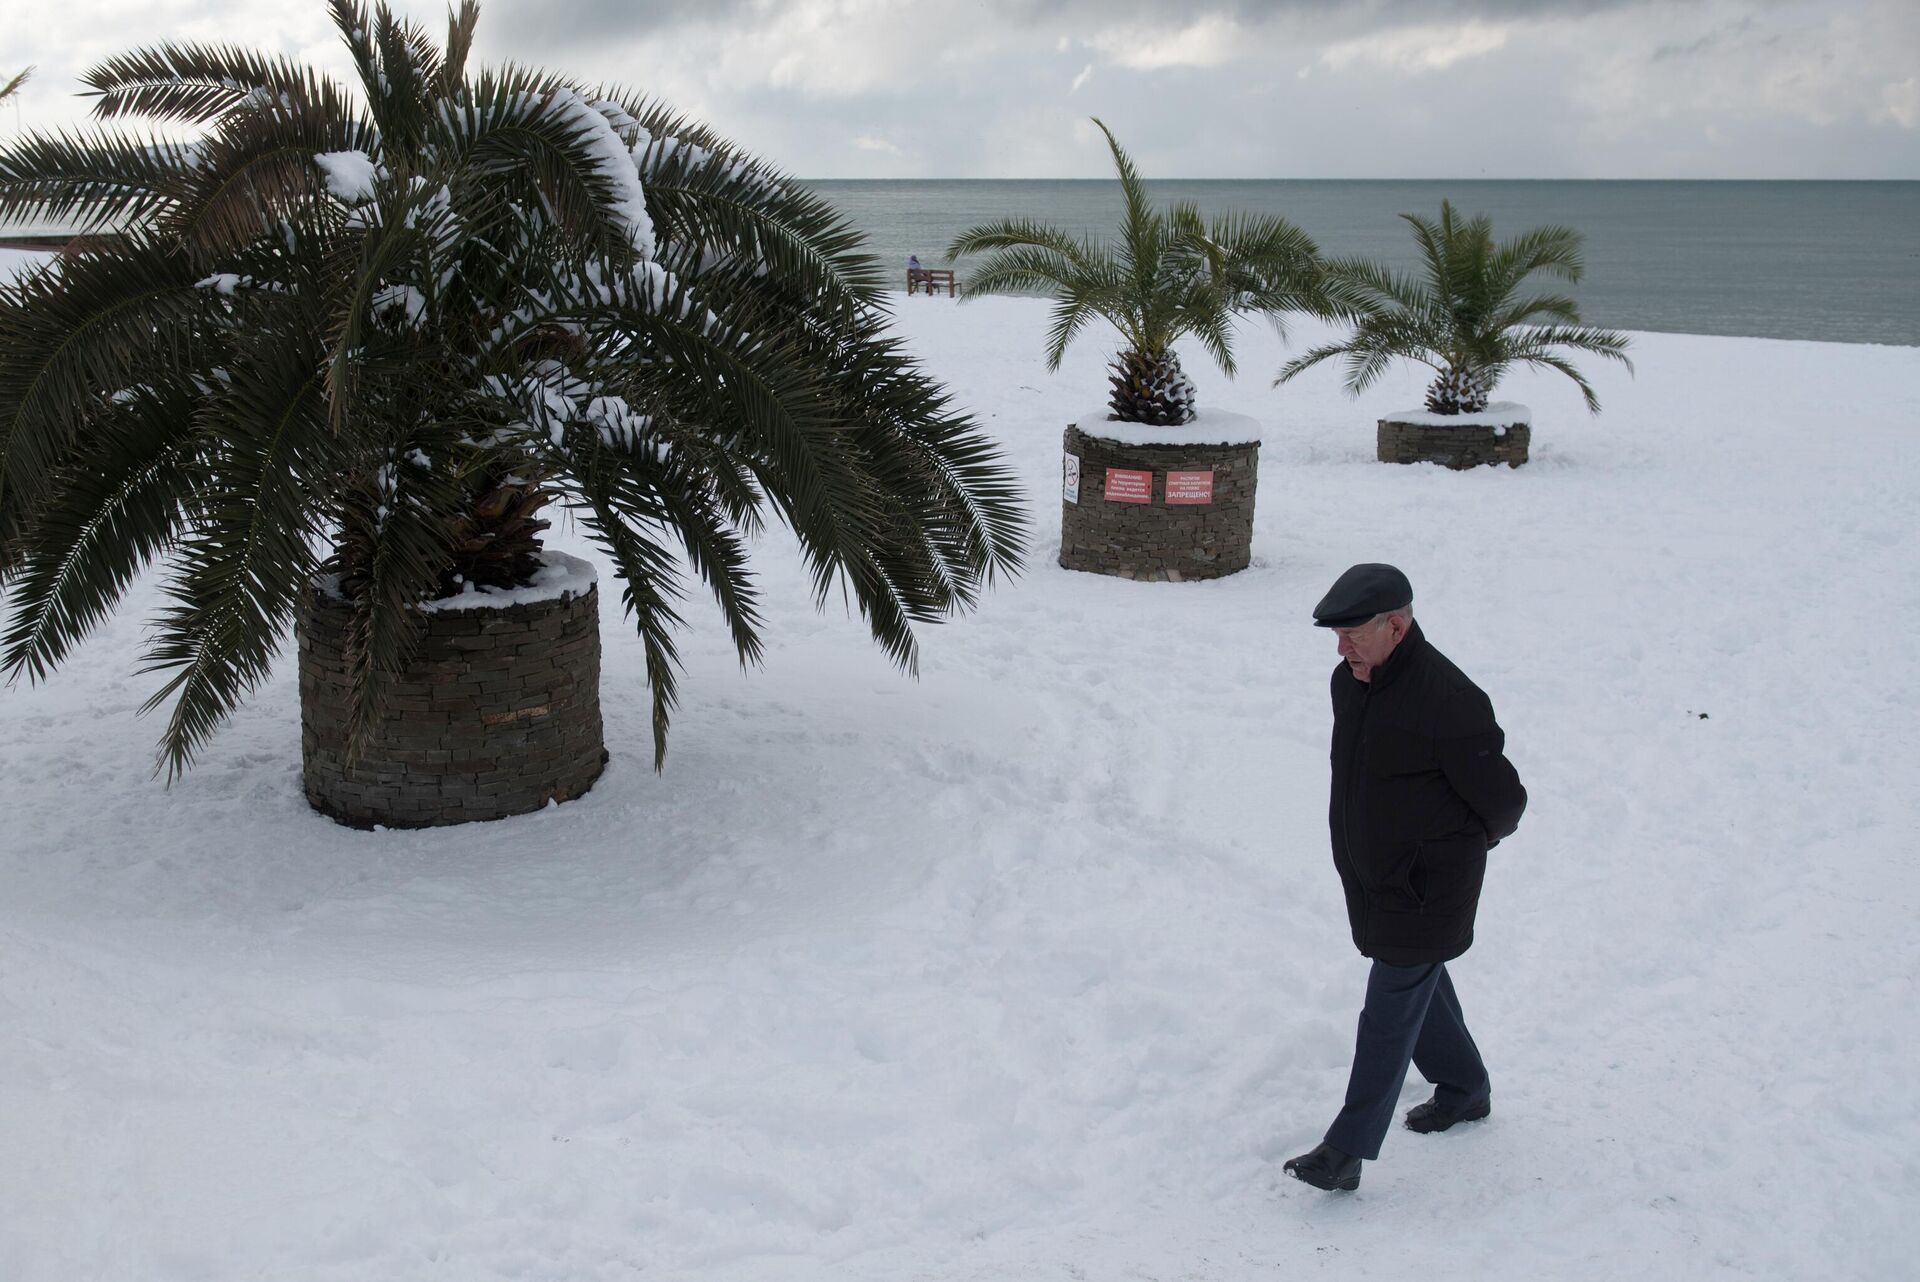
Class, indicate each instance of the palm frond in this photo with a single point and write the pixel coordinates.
(1030, 268)
(1366, 366)
(648, 579)
(1371, 288)
(751, 386)
(410, 222)
(1307, 360)
(400, 515)
(258, 174)
(917, 511)
(1432, 239)
(461, 24)
(1266, 240)
(1023, 233)
(355, 25)
(197, 84)
(712, 209)
(1608, 343)
(669, 478)
(408, 65)
(950, 489)
(249, 554)
(1142, 231)
(112, 510)
(1070, 315)
(15, 84)
(1554, 250)
(1525, 311)
(1551, 360)
(520, 134)
(1212, 323)
(106, 321)
(94, 179)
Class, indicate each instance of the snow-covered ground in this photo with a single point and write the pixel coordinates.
(1035, 968)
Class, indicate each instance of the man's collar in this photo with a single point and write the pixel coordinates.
(1396, 663)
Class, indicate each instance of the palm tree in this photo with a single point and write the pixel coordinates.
(1466, 317)
(1171, 275)
(379, 338)
(14, 85)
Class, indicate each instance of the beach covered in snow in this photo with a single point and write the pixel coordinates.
(1036, 967)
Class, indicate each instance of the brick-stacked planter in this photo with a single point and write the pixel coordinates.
(1498, 434)
(498, 714)
(1159, 540)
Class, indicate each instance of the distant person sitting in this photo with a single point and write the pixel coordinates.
(916, 274)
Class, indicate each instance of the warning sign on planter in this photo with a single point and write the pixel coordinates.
(1070, 478)
(1127, 486)
(1190, 487)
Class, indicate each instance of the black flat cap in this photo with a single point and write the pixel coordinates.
(1361, 593)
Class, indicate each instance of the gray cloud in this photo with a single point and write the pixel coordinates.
(1373, 12)
(1711, 41)
(539, 24)
(513, 25)
(1217, 88)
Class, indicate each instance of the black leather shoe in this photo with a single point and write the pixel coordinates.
(1434, 1116)
(1326, 1168)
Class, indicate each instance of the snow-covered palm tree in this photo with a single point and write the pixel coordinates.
(384, 334)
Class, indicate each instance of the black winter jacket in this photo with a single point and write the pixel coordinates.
(1421, 789)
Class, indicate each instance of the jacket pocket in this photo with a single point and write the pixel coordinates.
(1397, 885)
(1447, 874)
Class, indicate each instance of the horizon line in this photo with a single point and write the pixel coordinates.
(941, 178)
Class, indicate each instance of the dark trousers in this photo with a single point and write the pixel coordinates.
(1411, 1015)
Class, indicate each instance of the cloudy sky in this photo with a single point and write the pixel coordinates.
(1195, 88)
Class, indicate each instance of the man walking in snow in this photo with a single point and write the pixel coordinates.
(1422, 789)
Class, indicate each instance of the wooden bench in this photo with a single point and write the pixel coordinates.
(930, 277)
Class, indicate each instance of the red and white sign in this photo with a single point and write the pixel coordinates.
(1190, 487)
(1127, 486)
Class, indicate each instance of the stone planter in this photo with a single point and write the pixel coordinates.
(1166, 503)
(499, 714)
(1498, 434)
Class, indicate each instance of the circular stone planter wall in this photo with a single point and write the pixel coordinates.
(498, 714)
(1500, 433)
(1186, 538)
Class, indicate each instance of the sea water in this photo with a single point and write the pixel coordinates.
(1837, 261)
